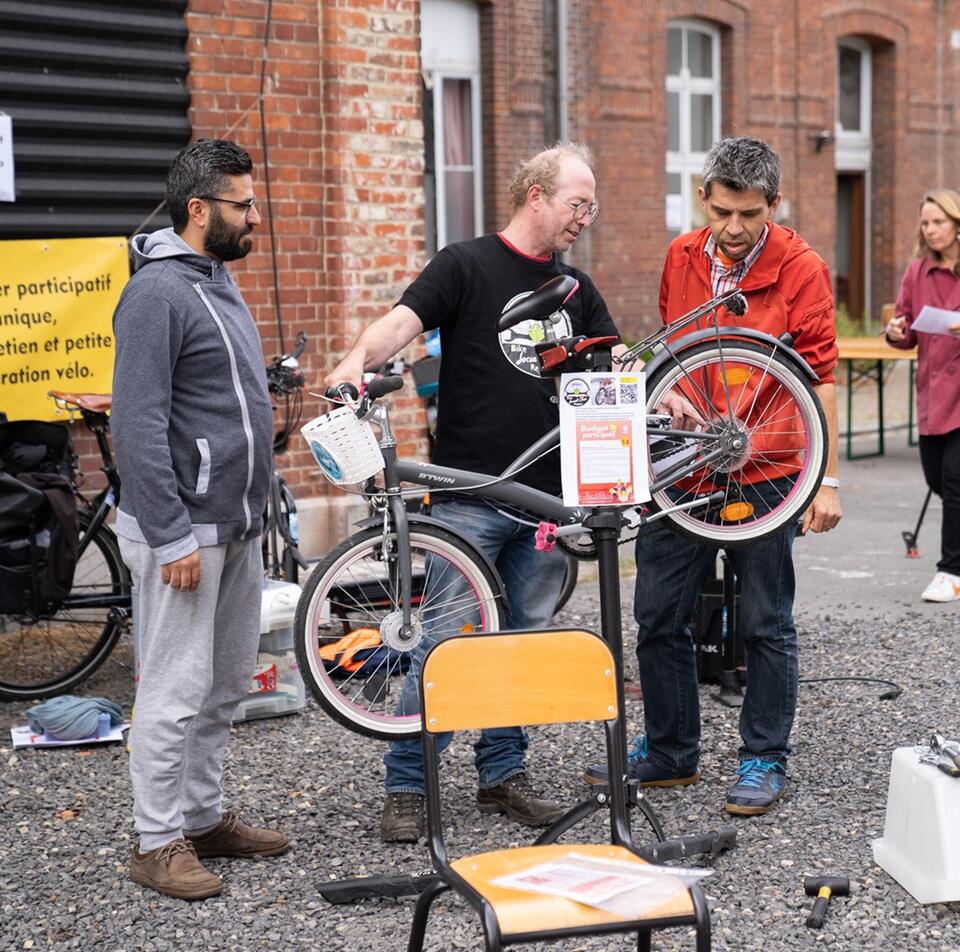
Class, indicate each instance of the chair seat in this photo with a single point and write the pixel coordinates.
(518, 911)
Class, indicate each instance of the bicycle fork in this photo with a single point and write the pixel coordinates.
(395, 511)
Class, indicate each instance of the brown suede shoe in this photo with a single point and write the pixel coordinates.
(517, 798)
(232, 837)
(403, 819)
(173, 869)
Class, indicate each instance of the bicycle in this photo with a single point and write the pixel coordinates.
(361, 622)
(43, 654)
(282, 559)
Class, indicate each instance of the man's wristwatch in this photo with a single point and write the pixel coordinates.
(830, 481)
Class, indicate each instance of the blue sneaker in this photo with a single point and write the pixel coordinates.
(642, 769)
(760, 786)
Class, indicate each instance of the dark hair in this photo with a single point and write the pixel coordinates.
(743, 164)
(202, 168)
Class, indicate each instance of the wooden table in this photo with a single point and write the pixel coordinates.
(873, 351)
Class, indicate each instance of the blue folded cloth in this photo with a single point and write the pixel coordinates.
(72, 718)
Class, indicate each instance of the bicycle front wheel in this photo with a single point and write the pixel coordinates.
(41, 657)
(349, 617)
(759, 452)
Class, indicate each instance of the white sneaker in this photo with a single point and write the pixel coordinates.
(944, 588)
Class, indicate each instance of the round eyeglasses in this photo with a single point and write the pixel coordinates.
(588, 210)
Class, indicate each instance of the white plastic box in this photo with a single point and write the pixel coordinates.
(920, 847)
(276, 686)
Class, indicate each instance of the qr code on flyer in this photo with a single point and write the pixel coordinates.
(628, 393)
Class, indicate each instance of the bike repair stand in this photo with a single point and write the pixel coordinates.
(730, 692)
(605, 524)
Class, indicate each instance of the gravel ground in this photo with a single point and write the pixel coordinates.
(66, 831)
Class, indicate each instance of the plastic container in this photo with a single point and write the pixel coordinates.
(920, 847)
(426, 375)
(344, 447)
(276, 661)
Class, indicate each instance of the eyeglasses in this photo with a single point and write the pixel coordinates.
(588, 210)
(249, 204)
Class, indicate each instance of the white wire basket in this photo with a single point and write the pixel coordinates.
(345, 448)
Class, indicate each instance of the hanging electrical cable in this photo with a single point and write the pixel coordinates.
(259, 104)
(266, 175)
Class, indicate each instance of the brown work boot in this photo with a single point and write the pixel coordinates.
(404, 818)
(174, 870)
(232, 837)
(517, 798)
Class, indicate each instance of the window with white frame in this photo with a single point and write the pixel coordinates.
(854, 90)
(450, 58)
(693, 117)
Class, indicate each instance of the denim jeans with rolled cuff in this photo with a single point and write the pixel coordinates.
(532, 581)
(672, 571)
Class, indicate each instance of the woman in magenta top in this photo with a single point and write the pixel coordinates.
(934, 278)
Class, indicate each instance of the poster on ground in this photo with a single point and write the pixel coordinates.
(57, 298)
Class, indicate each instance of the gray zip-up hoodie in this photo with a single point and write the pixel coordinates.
(191, 418)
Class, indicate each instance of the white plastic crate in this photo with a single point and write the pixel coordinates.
(276, 661)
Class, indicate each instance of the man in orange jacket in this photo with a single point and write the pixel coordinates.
(788, 290)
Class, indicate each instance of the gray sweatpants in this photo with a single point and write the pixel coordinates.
(196, 653)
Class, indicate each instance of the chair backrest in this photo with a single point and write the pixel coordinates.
(505, 679)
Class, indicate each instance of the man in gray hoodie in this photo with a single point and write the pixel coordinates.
(192, 429)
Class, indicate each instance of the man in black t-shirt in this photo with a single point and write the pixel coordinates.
(493, 405)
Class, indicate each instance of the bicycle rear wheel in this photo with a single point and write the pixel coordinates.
(41, 657)
(349, 616)
(764, 431)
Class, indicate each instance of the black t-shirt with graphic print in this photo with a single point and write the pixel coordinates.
(489, 410)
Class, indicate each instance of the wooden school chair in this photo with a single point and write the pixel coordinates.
(544, 677)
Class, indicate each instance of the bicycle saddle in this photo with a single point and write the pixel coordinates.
(94, 402)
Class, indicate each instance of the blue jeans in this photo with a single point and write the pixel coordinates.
(532, 581)
(671, 573)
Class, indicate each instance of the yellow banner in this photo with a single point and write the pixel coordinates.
(56, 304)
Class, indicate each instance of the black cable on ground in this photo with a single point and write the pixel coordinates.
(266, 176)
(886, 696)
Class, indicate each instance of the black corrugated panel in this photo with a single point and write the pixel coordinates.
(98, 96)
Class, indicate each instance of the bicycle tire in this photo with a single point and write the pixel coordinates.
(783, 432)
(279, 553)
(47, 656)
(352, 591)
(571, 570)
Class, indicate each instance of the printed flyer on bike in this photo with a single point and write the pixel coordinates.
(603, 439)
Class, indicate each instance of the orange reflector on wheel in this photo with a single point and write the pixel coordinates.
(735, 511)
(735, 376)
(467, 629)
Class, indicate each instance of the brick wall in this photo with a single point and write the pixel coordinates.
(344, 141)
(343, 113)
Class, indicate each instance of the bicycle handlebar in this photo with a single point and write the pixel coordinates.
(283, 374)
(346, 392)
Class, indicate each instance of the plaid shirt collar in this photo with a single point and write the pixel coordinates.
(725, 279)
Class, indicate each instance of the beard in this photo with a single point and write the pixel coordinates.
(226, 242)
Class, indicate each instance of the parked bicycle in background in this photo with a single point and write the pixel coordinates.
(49, 646)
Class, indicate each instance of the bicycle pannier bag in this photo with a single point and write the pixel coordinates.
(39, 531)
